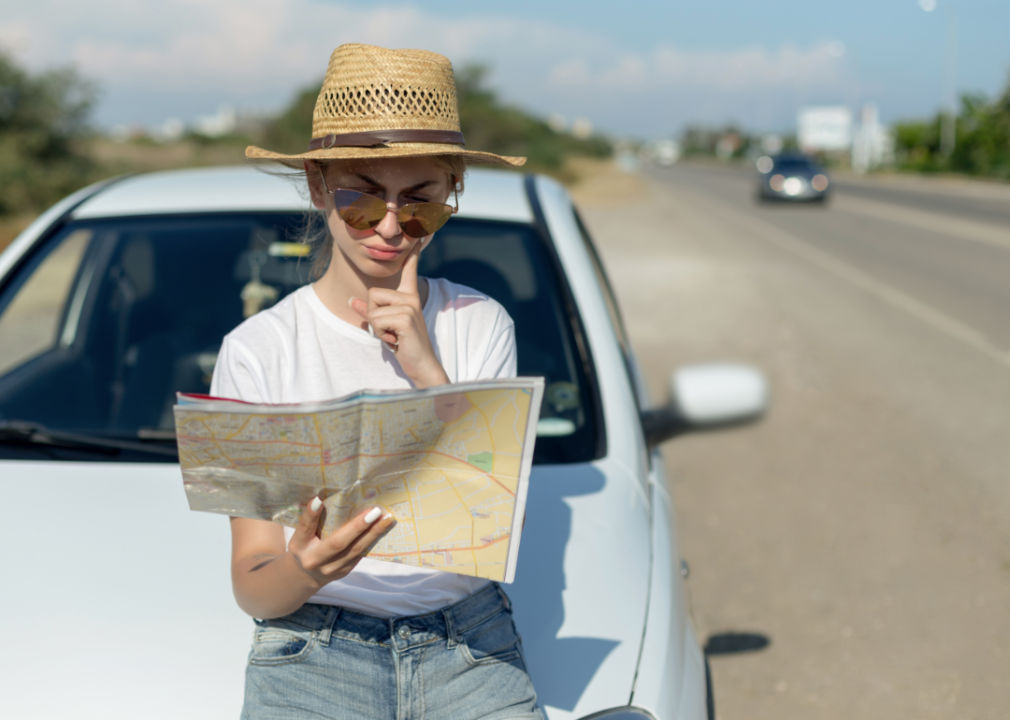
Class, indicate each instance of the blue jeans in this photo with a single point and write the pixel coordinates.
(464, 661)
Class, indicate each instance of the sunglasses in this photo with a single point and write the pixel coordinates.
(363, 211)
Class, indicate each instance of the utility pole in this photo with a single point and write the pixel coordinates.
(948, 125)
(948, 106)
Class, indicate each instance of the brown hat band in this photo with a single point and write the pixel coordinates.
(382, 138)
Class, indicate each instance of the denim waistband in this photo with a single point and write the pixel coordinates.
(402, 632)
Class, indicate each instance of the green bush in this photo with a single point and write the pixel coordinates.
(981, 141)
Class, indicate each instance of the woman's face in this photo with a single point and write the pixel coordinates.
(379, 252)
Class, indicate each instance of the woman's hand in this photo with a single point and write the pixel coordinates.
(397, 320)
(331, 558)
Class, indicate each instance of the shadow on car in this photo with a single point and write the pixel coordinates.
(541, 556)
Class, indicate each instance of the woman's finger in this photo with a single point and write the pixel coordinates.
(359, 306)
(347, 540)
(408, 274)
(387, 297)
(308, 522)
(369, 533)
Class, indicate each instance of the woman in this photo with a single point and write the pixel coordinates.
(339, 635)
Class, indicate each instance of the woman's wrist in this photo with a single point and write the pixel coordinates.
(432, 376)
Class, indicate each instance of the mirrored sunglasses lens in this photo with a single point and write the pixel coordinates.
(420, 219)
(359, 210)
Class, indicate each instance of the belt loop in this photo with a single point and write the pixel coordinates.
(504, 598)
(329, 622)
(450, 629)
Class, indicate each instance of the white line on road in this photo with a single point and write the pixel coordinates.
(924, 220)
(951, 327)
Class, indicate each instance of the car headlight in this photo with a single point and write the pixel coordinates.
(620, 713)
(777, 182)
(793, 186)
(819, 182)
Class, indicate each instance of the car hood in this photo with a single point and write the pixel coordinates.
(117, 598)
(123, 597)
(581, 589)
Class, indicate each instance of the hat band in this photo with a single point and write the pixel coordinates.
(382, 138)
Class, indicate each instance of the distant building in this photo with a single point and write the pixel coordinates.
(220, 123)
(665, 151)
(582, 128)
(872, 143)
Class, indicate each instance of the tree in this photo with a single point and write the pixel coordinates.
(489, 125)
(982, 143)
(43, 132)
(291, 131)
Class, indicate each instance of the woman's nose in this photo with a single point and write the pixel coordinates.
(389, 226)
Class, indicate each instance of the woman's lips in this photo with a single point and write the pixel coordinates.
(378, 253)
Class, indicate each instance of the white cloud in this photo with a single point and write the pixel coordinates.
(186, 57)
(669, 67)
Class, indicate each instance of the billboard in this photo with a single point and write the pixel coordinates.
(824, 128)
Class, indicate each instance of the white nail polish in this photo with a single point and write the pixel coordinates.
(373, 515)
(315, 504)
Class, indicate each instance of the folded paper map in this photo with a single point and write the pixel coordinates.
(452, 463)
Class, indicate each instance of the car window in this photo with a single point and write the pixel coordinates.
(142, 317)
(108, 319)
(29, 325)
(792, 164)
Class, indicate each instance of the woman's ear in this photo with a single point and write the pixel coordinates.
(314, 177)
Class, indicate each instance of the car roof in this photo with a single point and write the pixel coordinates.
(494, 194)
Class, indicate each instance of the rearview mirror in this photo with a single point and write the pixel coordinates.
(707, 397)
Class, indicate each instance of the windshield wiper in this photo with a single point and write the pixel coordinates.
(33, 433)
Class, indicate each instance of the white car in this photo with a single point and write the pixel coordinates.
(116, 597)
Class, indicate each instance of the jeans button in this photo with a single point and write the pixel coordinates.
(404, 632)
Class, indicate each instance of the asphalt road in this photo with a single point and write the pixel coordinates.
(850, 555)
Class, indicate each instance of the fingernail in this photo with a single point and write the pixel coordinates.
(373, 515)
(315, 504)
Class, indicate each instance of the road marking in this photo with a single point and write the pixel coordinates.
(933, 222)
(927, 314)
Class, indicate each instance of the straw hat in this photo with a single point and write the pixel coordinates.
(377, 103)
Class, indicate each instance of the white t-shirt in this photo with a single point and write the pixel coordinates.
(298, 351)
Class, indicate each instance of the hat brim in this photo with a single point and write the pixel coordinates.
(392, 150)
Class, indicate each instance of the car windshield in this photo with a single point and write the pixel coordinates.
(107, 319)
(793, 164)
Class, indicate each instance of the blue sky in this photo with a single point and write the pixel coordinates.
(632, 69)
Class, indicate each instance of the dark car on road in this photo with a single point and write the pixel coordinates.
(792, 177)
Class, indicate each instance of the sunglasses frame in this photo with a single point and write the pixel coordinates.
(453, 209)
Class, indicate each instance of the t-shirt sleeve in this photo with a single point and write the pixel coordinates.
(237, 375)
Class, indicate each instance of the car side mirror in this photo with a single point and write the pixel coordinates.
(707, 397)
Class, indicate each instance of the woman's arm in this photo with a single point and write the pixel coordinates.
(270, 580)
